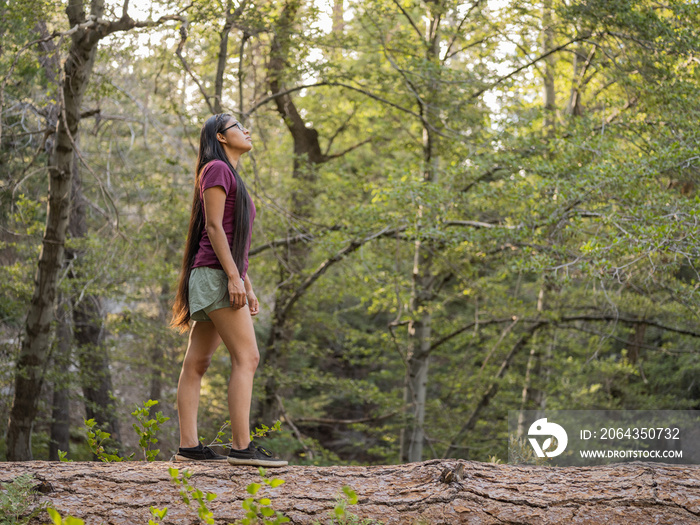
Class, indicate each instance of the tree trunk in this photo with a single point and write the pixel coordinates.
(231, 17)
(573, 107)
(533, 395)
(419, 327)
(635, 342)
(88, 322)
(29, 370)
(93, 356)
(158, 365)
(307, 155)
(485, 493)
(549, 91)
(60, 414)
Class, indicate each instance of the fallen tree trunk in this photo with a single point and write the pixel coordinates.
(431, 492)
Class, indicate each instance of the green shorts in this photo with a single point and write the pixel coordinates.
(208, 292)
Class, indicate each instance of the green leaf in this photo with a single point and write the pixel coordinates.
(253, 488)
(276, 482)
(351, 495)
(55, 516)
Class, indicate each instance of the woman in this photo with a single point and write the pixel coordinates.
(213, 291)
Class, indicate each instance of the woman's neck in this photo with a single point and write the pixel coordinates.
(233, 157)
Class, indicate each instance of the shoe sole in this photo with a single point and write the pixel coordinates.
(178, 457)
(257, 462)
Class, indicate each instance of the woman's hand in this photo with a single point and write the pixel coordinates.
(253, 303)
(236, 292)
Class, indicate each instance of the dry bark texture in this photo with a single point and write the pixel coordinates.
(633, 493)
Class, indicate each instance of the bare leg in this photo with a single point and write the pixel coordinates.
(235, 327)
(203, 341)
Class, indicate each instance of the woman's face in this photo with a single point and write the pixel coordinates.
(235, 136)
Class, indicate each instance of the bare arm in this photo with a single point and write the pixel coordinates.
(252, 299)
(214, 201)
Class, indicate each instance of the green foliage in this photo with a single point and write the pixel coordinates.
(158, 514)
(96, 438)
(263, 430)
(147, 428)
(340, 514)
(189, 492)
(260, 510)
(56, 518)
(18, 501)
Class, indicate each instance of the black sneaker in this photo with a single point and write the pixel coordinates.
(198, 453)
(255, 456)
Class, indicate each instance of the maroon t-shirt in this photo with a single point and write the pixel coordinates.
(217, 173)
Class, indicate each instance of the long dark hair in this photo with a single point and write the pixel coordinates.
(210, 149)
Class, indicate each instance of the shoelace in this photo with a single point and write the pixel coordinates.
(265, 451)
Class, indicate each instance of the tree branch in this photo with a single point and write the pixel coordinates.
(493, 388)
(483, 176)
(410, 20)
(302, 237)
(348, 150)
(478, 224)
(566, 319)
(323, 267)
(330, 421)
(178, 52)
(469, 326)
(459, 28)
(530, 63)
(371, 95)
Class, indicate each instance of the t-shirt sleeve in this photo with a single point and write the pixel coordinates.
(218, 174)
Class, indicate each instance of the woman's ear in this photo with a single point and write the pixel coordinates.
(221, 138)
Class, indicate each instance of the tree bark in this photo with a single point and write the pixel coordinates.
(60, 413)
(29, 375)
(487, 493)
(635, 343)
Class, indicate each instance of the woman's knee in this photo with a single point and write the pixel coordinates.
(197, 365)
(255, 360)
(247, 360)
